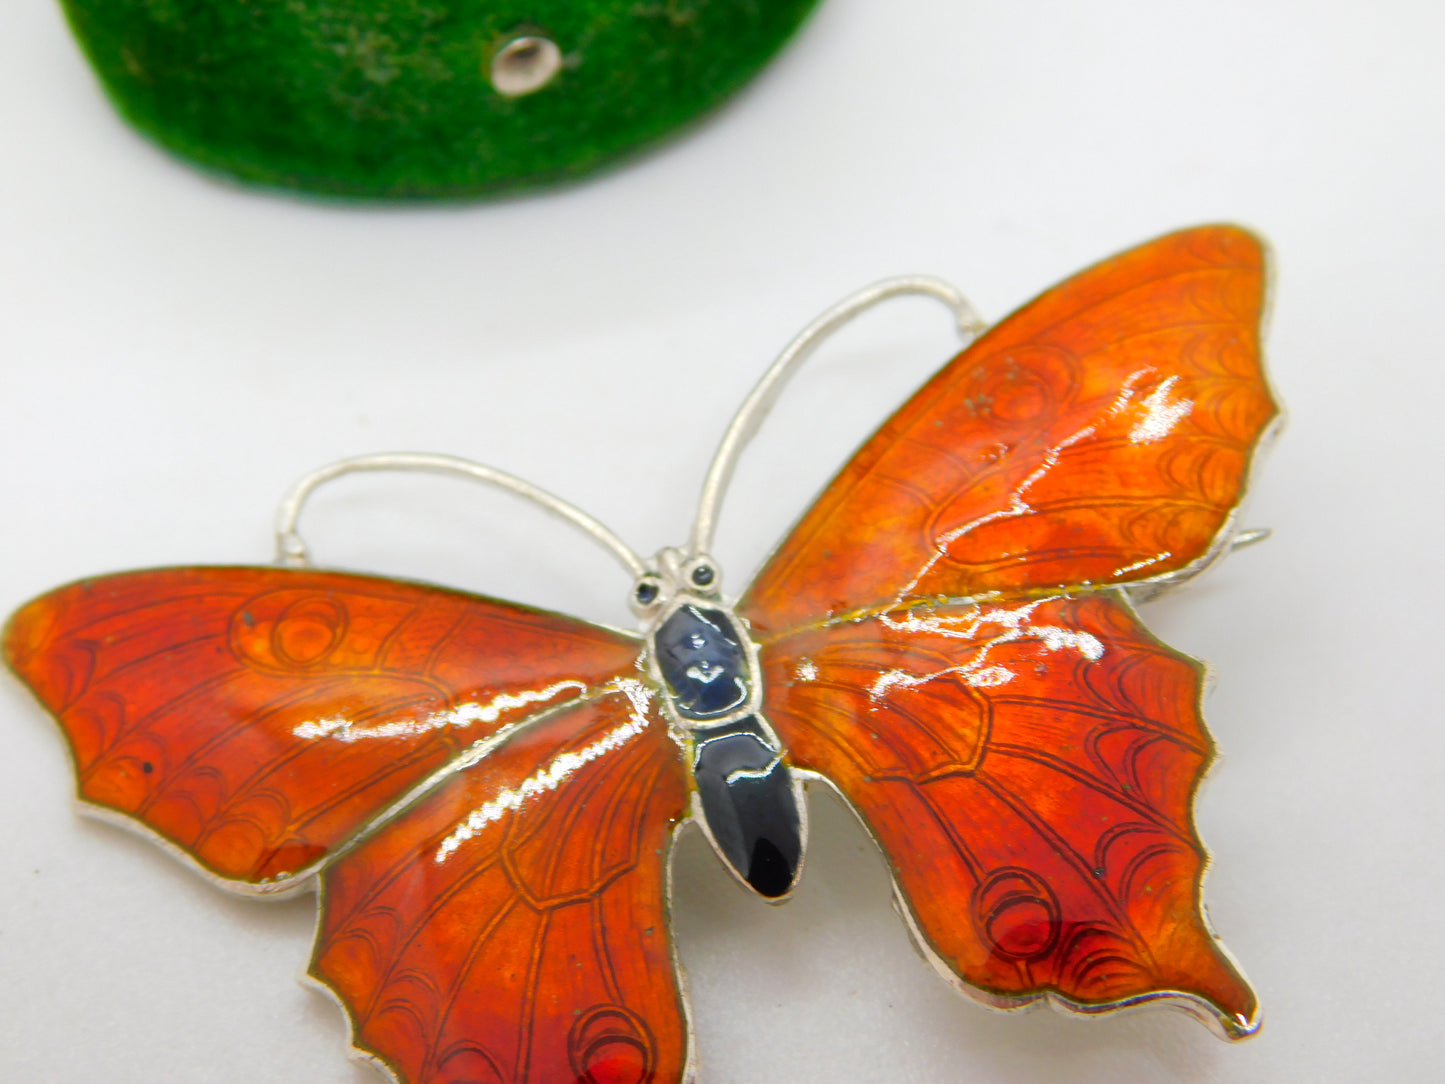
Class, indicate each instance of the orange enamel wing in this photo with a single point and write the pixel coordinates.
(473, 945)
(946, 638)
(256, 719)
(1100, 435)
(268, 724)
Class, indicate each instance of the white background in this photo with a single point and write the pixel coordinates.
(175, 351)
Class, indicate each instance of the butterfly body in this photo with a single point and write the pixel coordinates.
(749, 803)
(486, 794)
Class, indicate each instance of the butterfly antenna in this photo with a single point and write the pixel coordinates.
(292, 551)
(765, 393)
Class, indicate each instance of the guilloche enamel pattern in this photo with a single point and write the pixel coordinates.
(486, 795)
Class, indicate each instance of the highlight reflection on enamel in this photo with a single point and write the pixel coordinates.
(967, 626)
(1162, 413)
(556, 773)
(344, 730)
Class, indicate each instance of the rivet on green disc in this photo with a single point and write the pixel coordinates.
(421, 98)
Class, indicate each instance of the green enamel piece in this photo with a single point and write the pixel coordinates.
(400, 98)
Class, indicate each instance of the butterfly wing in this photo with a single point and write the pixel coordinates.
(1102, 434)
(1028, 760)
(257, 719)
(1029, 769)
(511, 927)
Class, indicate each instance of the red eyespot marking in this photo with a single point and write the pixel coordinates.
(1016, 914)
(609, 1045)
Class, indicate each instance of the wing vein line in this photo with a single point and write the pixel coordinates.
(442, 641)
(1044, 760)
(459, 983)
(1128, 720)
(437, 904)
(464, 758)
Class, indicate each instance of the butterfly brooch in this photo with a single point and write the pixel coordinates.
(485, 795)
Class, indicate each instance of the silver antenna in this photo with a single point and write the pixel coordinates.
(292, 551)
(765, 393)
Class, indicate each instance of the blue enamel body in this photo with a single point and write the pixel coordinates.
(749, 800)
(704, 660)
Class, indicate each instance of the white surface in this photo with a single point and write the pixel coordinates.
(174, 352)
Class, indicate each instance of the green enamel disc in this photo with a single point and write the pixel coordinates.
(421, 98)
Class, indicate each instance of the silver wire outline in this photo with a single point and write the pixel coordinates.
(292, 551)
(761, 399)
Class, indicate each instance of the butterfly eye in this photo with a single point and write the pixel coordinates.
(702, 575)
(646, 592)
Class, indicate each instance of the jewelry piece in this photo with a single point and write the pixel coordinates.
(393, 99)
(487, 794)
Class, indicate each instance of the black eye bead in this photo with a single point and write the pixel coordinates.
(646, 593)
(703, 575)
